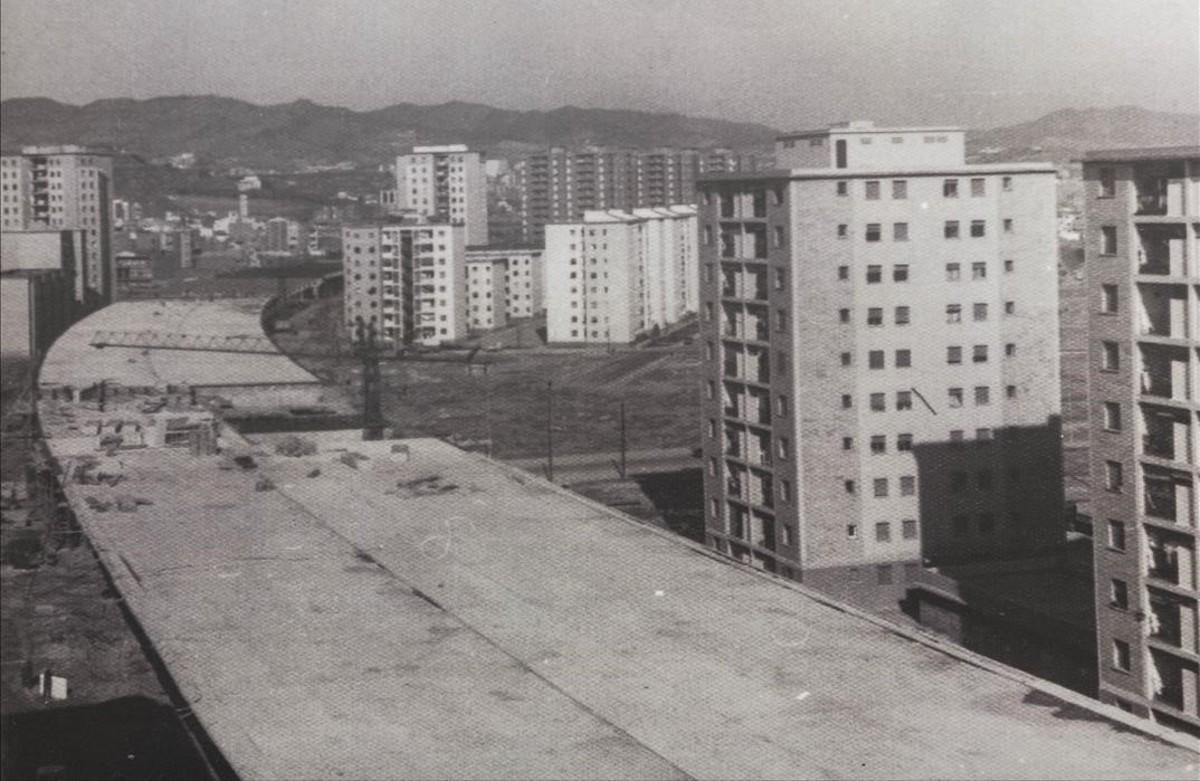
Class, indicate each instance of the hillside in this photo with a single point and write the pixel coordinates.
(226, 131)
(1066, 134)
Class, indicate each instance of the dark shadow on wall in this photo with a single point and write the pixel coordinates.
(992, 499)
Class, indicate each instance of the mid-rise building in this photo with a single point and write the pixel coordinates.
(560, 184)
(616, 275)
(407, 281)
(39, 276)
(485, 293)
(444, 184)
(524, 277)
(879, 338)
(1141, 241)
(283, 235)
(64, 188)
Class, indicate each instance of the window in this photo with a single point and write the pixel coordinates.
(851, 531)
(955, 397)
(979, 353)
(952, 272)
(785, 490)
(1110, 356)
(950, 188)
(878, 444)
(1006, 184)
(844, 315)
(1120, 655)
(847, 359)
(874, 274)
(904, 442)
(843, 272)
(983, 396)
(1118, 594)
(1010, 391)
(979, 271)
(1116, 535)
(903, 359)
(843, 231)
(850, 488)
(1008, 225)
(1010, 350)
(782, 406)
(784, 448)
(1010, 307)
(956, 437)
(899, 189)
(847, 401)
(908, 485)
(983, 436)
(903, 400)
(847, 443)
(980, 312)
(954, 354)
(978, 228)
(908, 529)
(880, 487)
(1108, 240)
(779, 236)
(781, 320)
(1112, 416)
(1114, 477)
(1109, 299)
(874, 231)
(883, 532)
(875, 359)
(878, 404)
(843, 188)
(872, 191)
(900, 273)
(902, 315)
(787, 536)
(950, 229)
(1008, 267)
(978, 188)
(875, 316)
(899, 231)
(1108, 183)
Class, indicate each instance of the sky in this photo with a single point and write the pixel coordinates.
(786, 63)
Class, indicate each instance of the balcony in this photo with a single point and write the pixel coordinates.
(1160, 249)
(762, 531)
(1167, 496)
(1166, 433)
(1165, 372)
(1158, 189)
(1170, 558)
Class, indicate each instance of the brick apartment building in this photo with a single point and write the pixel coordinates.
(1142, 217)
(879, 325)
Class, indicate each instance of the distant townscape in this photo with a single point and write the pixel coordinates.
(445, 419)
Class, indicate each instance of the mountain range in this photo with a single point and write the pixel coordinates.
(225, 131)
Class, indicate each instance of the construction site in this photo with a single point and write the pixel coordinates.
(373, 601)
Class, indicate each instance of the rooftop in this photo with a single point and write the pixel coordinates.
(407, 609)
(966, 169)
(1141, 153)
(867, 126)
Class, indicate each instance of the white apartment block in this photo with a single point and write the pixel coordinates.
(408, 281)
(524, 277)
(881, 354)
(617, 275)
(485, 294)
(63, 188)
(445, 184)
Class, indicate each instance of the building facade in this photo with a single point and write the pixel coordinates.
(444, 184)
(1142, 250)
(560, 184)
(64, 187)
(524, 278)
(485, 294)
(880, 358)
(407, 281)
(616, 275)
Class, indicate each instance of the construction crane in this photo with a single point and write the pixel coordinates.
(365, 347)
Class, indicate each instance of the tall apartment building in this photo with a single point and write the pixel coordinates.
(407, 280)
(559, 185)
(880, 354)
(444, 184)
(1142, 250)
(63, 188)
(617, 275)
(520, 286)
(485, 294)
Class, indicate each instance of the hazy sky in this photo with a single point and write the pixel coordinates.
(789, 63)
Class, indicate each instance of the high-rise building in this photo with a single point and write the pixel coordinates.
(64, 188)
(559, 185)
(880, 354)
(444, 184)
(1142, 253)
(485, 293)
(408, 281)
(524, 276)
(618, 275)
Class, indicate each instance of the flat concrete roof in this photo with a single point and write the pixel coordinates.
(434, 614)
(73, 361)
(1141, 153)
(965, 169)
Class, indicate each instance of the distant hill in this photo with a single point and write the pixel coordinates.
(1066, 134)
(226, 131)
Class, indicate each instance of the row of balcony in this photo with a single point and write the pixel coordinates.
(752, 447)
(753, 526)
(747, 363)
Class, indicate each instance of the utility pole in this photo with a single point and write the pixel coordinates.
(624, 469)
(550, 430)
